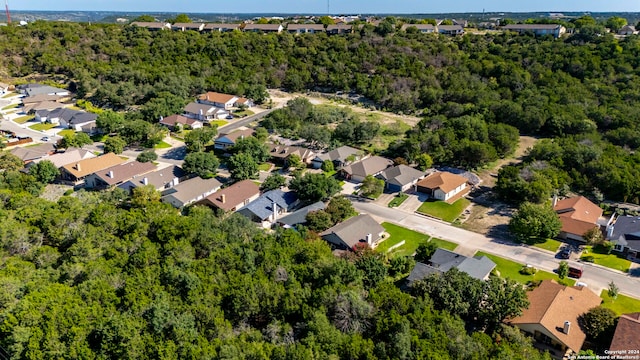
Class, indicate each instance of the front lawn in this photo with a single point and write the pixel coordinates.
(398, 200)
(264, 167)
(218, 123)
(412, 239)
(621, 305)
(443, 210)
(12, 106)
(24, 119)
(8, 95)
(243, 113)
(162, 145)
(547, 244)
(511, 269)
(66, 132)
(42, 126)
(601, 257)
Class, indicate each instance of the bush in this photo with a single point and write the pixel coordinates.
(68, 192)
(528, 270)
(588, 258)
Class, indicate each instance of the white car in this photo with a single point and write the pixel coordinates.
(581, 284)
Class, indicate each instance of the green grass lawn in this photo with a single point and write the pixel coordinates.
(12, 106)
(264, 167)
(330, 173)
(621, 305)
(218, 123)
(443, 210)
(412, 240)
(42, 126)
(162, 145)
(23, 119)
(511, 269)
(8, 95)
(99, 137)
(243, 113)
(547, 244)
(609, 260)
(66, 132)
(398, 199)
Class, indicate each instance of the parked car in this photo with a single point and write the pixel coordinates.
(564, 254)
(575, 272)
(229, 117)
(46, 138)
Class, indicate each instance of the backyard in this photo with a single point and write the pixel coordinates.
(412, 239)
(621, 305)
(443, 210)
(511, 269)
(600, 257)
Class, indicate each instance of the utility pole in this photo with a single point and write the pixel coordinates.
(6, 8)
(328, 7)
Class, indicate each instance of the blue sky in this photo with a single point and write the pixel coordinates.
(320, 6)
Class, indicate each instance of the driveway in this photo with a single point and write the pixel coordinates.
(349, 188)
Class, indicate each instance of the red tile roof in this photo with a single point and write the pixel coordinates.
(577, 214)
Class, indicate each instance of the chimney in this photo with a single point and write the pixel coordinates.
(275, 210)
(111, 174)
(161, 117)
(78, 166)
(145, 181)
(370, 239)
(567, 326)
(609, 232)
(175, 181)
(555, 201)
(223, 198)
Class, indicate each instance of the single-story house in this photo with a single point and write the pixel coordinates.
(223, 101)
(162, 179)
(226, 141)
(553, 316)
(305, 28)
(627, 334)
(401, 177)
(282, 152)
(172, 120)
(76, 172)
(244, 101)
(40, 89)
(299, 217)
(269, 206)
(370, 166)
(69, 118)
(190, 191)
(33, 153)
(442, 260)
(187, 26)
(340, 157)
(234, 197)
(41, 98)
(221, 27)
(69, 156)
(117, 174)
(204, 112)
(450, 29)
(353, 233)
(443, 185)
(263, 28)
(423, 28)
(84, 121)
(627, 30)
(39, 106)
(624, 232)
(538, 29)
(154, 26)
(339, 29)
(577, 215)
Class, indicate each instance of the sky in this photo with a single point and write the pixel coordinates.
(336, 6)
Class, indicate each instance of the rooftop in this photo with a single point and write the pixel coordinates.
(627, 335)
(263, 207)
(300, 216)
(229, 197)
(189, 190)
(442, 180)
(401, 175)
(217, 97)
(369, 166)
(577, 214)
(123, 172)
(355, 230)
(85, 167)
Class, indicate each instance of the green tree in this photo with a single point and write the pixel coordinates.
(144, 18)
(319, 221)
(44, 171)
(599, 324)
(144, 195)
(326, 20)
(612, 291)
(371, 186)
(615, 23)
(243, 166)
(109, 121)
(10, 162)
(295, 162)
(197, 140)
(563, 270)
(503, 299)
(424, 161)
(255, 148)
(533, 220)
(314, 187)
(340, 209)
(593, 236)
(425, 250)
(180, 18)
(202, 164)
(114, 144)
(147, 156)
(273, 181)
(327, 166)
(75, 140)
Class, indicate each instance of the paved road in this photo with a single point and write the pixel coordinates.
(243, 122)
(596, 277)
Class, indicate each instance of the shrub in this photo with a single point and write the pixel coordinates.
(528, 270)
(588, 258)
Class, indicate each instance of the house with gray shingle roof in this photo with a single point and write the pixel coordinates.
(442, 260)
(161, 179)
(299, 217)
(269, 206)
(401, 177)
(340, 157)
(353, 233)
(190, 191)
(370, 166)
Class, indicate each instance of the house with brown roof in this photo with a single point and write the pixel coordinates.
(263, 28)
(190, 191)
(162, 179)
(370, 166)
(204, 112)
(173, 120)
(443, 185)
(234, 197)
(339, 29)
(223, 101)
(281, 153)
(577, 215)
(69, 156)
(117, 174)
(627, 334)
(187, 26)
(353, 233)
(75, 173)
(40, 98)
(423, 28)
(40, 106)
(553, 317)
(221, 27)
(226, 141)
(32, 153)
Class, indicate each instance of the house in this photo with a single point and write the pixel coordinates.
(627, 334)
(401, 177)
(76, 172)
(370, 166)
(172, 120)
(33, 89)
(450, 29)
(340, 157)
(339, 29)
(478, 267)
(353, 233)
(263, 28)
(69, 156)
(234, 197)
(282, 152)
(624, 232)
(187, 26)
(423, 28)
(627, 30)
(41, 98)
(40, 106)
(221, 27)
(244, 102)
(537, 29)
(160, 179)
(32, 153)
(305, 28)
(223, 101)
(204, 112)
(269, 206)
(69, 118)
(83, 121)
(190, 191)
(153, 26)
(117, 174)
(226, 141)
(577, 215)
(553, 317)
(299, 217)
(443, 185)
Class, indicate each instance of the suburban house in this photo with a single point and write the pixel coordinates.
(204, 112)
(172, 120)
(223, 101)
(443, 185)
(221, 27)
(339, 29)
(370, 166)
(353, 233)
(577, 215)
(627, 30)
(627, 334)
(69, 156)
(537, 29)
(282, 152)
(225, 141)
(187, 26)
(69, 118)
(340, 157)
(423, 28)
(553, 317)
(83, 121)
(154, 26)
(450, 29)
(32, 153)
(263, 28)
(117, 174)
(624, 232)
(305, 28)
(76, 172)
(299, 217)
(160, 179)
(41, 98)
(40, 89)
(401, 177)
(478, 267)
(190, 191)
(244, 102)
(234, 197)
(39, 106)
(269, 206)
